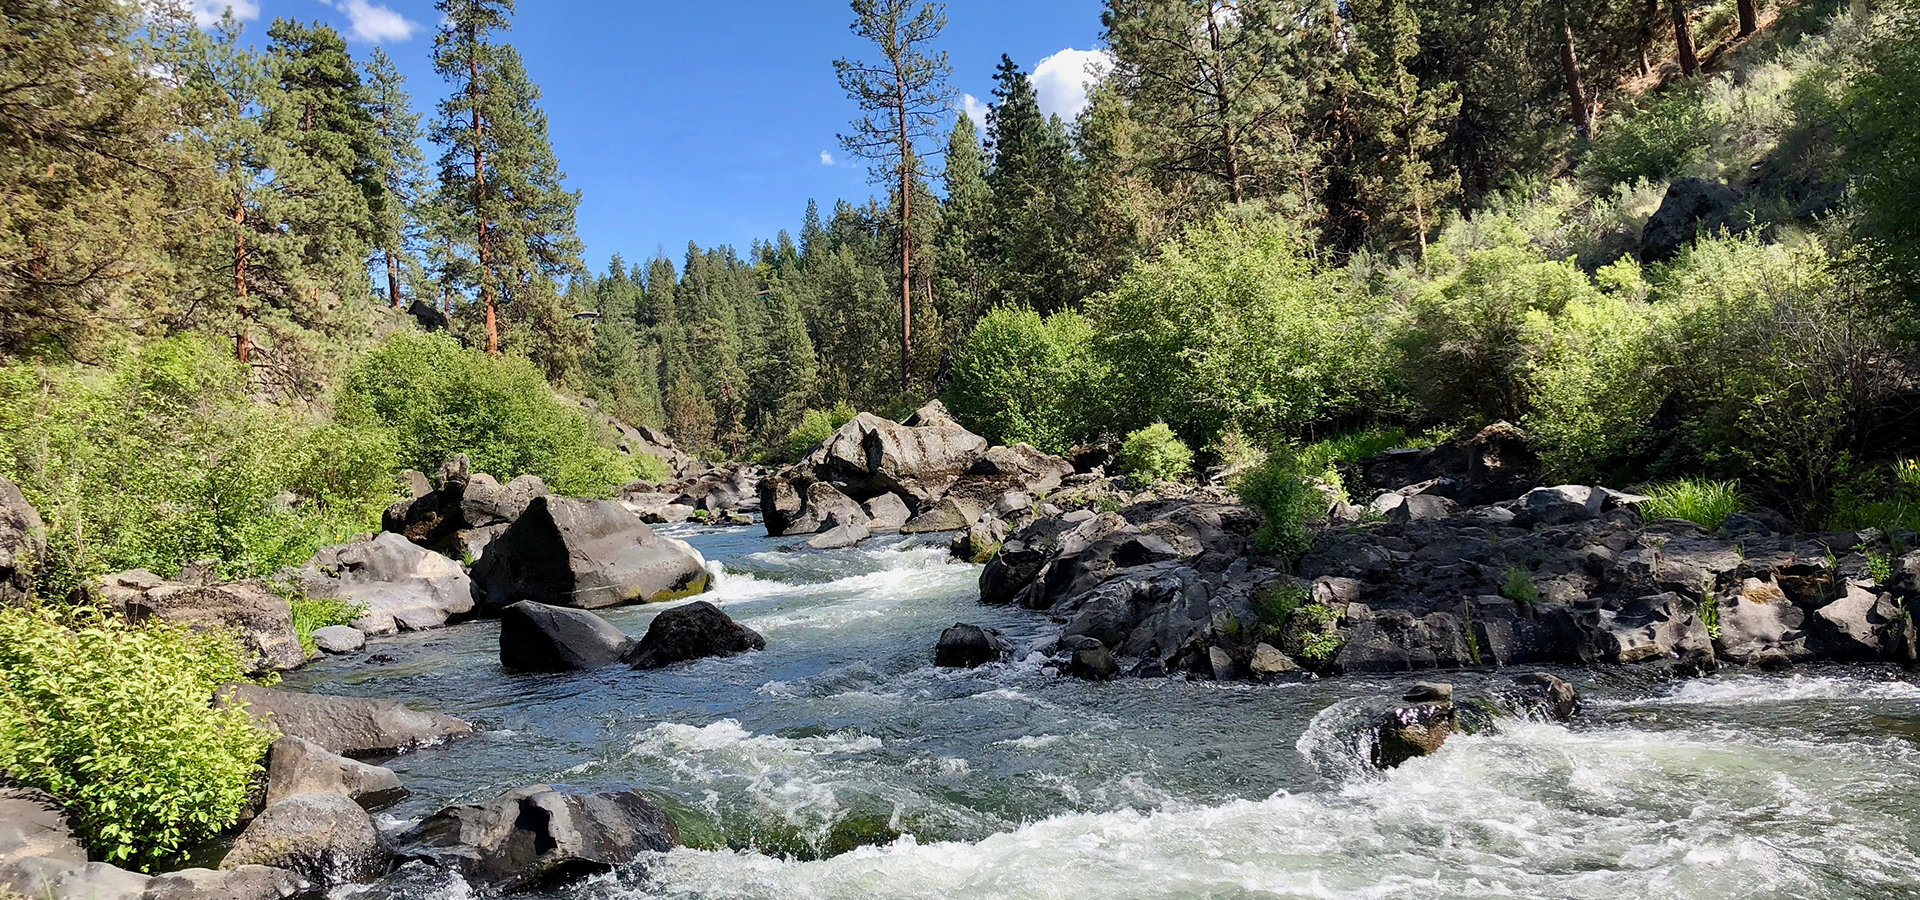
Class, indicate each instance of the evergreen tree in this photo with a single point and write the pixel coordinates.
(399, 224)
(323, 112)
(1035, 185)
(468, 128)
(964, 226)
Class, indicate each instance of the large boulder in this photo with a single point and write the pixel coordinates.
(693, 631)
(299, 766)
(1690, 206)
(1024, 466)
(886, 512)
(237, 883)
(965, 646)
(1662, 626)
(537, 837)
(404, 587)
(32, 824)
(349, 726)
(262, 619)
(1760, 625)
(870, 455)
(790, 508)
(1863, 625)
(535, 637)
(1561, 505)
(40, 878)
(588, 554)
(488, 502)
(23, 545)
(1407, 732)
(327, 839)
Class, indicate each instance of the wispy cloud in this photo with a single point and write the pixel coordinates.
(1063, 79)
(976, 109)
(373, 23)
(207, 13)
(826, 159)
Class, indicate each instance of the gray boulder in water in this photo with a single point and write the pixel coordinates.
(965, 646)
(538, 837)
(327, 839)
(298, 766)
(693, 631)
(587, 554)
(404, 587)
(535, 637)
(349, 726)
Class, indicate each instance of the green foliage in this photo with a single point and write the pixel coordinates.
(311, 615)
(1705, 503)
(439, 399)
(1597, 379)
(1319, 640)
(1274, 605)
(1879, 568)
(1236, 324)
(1154, 454)
(165, 458)
(1278, 490)
(1023, 378)
(1710, 614)
(113, 719)
(816, 426)
(1350, 447)
(1667, 138)
(1881, 107)
(1519, 586)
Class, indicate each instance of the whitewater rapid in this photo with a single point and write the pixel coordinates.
(840, 763)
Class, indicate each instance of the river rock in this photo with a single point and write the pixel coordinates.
(1561, 505)
(23, 545)
(1408, 732)
(299, 766)
(839, 537)
(404, 587)
(1662, 626)
(1089, 659)
(1547, 696)
(1021, 464)
(349, 726)
(488, 502)
(327, 839)
(1863, 625)
(339, 639)
(1759, 623)
(1415, 508)
(965, 646)
(693, 631)
(238, 883)
(1497, 463)
(588, 554)
(535, 637)
(262, 619)
(40, 878)
(886, 512)
(1269, 664)
(869, 455)
(944, 514)
(32, 824)
(538, 837)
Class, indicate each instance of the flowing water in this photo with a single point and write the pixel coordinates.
(840, 763)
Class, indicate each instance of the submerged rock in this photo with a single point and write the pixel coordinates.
(588, 554)
(1546, 696)
(349, 726)
(538, 837)
(535, 637)
(693, 631)
(327, 839)
(1407, 732)
(965, 646)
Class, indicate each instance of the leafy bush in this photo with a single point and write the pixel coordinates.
(165, 458)
(1025, 378)
(1350, 447)
(1154, 454)
(1236, 324)
(113, 720)
(311, 615)
(1273, 606)
(816, 426)
(1278, 490)
(439, 399)
(1881, 107)
(1599, 377)
(1705, 503)
(1666, 139)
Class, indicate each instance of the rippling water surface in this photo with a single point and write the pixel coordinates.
(841, 764)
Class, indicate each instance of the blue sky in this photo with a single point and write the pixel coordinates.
(704, 121)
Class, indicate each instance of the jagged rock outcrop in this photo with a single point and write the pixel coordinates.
(261, 618)
(1691, 206)
(348, 726)
(587, 554)
(535, 637)
(404, 587)
(23, 545)
(538, 837)
(1497, 463)
(693, 631)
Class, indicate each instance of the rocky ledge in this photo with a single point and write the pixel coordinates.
(1419, 580)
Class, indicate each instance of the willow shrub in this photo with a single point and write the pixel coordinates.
(1236, 324)
(439, 399)
(114, 720)
(1599, 373)
(165, 457)
(1024, 378)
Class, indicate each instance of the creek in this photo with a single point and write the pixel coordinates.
(840, 763)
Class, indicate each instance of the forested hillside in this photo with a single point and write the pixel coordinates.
(1275, 223)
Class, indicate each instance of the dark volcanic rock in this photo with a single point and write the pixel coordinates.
(537, 837)
(23, 545)
(327, 839)
(1690, 206)
(535, 637)
(1407, 732)
(32, 824)
(349, 726)
(262, 619)
(693, 631)
(966, 646)
(587, 554)
(1546, 696)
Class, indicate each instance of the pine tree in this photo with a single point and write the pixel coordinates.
(1397, 127)
(467, 126)
(963, 226)
(1035, 187)
(397, 217)
(323, 112)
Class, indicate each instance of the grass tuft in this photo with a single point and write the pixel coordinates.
(1704, 503)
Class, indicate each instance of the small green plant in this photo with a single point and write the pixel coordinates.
(1473, 642)
(1705, 503)
(1108, 503)
(1154, 454)
(1279, 491)
(816, 426)
(1273, 605)
(113, 720)
(1319, 640)
(1879, 568)
(310, 616)
(1520, 587)
(1710, 615)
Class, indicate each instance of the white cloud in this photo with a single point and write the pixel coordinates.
(374, 23)
(1062, 80)
(976, 109)
(206, 13)
(826, 159)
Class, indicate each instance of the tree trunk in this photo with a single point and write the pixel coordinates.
(1648, 24)
(1235, 185)
(1749, 16)
(242, 345)
(393, 278)
(1576, 92)
(480, 192)
(906, 242)
(1683, 38)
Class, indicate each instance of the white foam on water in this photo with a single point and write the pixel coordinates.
(1749, 690)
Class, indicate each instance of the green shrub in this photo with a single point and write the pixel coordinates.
(1237, 324)
(1279, 491)
(1704, 503)
(1022, 378)
(1668, 138)
(1598, 378)
(1273, 606)
(165, 458)
(1520, 587)
(114, 720)
(816, 426)
(440, 399)
(1881, 109)
(1154, 454)
(311, 615)
(1350, 447)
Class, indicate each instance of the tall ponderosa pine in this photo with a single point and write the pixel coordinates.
(902, 98)
(1035, 186)
(398, 221)
(468, 124)
(323, 112)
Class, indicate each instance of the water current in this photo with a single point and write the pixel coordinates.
(840, 763)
